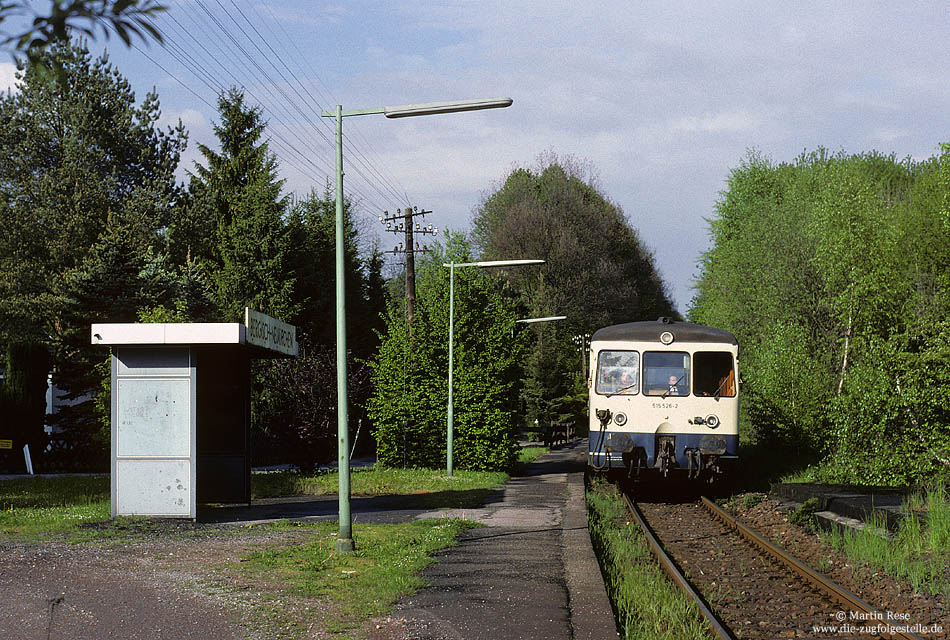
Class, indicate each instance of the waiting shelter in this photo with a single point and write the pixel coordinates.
(181, 413)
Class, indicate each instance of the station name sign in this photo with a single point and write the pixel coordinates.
(270, 333)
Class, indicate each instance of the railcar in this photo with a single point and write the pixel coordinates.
(664, 400)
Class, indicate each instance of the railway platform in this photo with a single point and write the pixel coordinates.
(842, 505)
(529, 572)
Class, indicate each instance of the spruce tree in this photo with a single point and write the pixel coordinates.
(238, 188)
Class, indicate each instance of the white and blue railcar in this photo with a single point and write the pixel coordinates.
(664, 399)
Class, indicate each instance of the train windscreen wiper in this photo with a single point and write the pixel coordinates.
(621, 390)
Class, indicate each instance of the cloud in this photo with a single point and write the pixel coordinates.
(724, 122)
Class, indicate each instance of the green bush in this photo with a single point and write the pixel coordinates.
(409, 403)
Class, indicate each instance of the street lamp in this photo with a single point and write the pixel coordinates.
(344, 541)
(449, 421)
(548, 319)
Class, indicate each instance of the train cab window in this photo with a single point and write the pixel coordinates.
(713, 374)
(666, 373)
(618, 372)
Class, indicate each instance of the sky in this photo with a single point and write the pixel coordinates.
(656, 101)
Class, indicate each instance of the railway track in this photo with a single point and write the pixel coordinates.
(750, 588)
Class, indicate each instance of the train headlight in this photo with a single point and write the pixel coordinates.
(712, 421)
(620, 419)
(666, 337)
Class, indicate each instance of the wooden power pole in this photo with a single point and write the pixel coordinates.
(403, 223)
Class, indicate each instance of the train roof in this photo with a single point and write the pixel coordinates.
(649, 331)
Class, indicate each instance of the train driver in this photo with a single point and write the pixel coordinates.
(674, 388)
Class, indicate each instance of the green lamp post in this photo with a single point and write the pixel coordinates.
(344, 542)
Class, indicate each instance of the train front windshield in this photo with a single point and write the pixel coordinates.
(666, 373)
(618, 372)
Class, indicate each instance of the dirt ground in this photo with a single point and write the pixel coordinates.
(159, 587)
(180, 587)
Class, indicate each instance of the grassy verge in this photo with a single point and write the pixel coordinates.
(30, 506)
(646, 604)
(33, 506)
(527, 455)
(920, 550)
(353, 588)
(462, 489)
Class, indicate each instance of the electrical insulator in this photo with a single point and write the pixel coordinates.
(417, 226)
(389, 225)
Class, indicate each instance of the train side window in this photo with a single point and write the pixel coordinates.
(666, 373)
(618, 372)
(713, 374)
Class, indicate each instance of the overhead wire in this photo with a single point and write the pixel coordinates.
(360, 157)
(208, 80)
(262, 71)
(276, 114)
(284, 113)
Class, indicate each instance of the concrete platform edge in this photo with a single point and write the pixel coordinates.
(592, 616)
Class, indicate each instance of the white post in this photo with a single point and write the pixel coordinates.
(26, 457)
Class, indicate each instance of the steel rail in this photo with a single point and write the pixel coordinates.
(836, 592)
(715, 624)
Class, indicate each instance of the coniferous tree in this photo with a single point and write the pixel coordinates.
(239, 190)
(80, 165)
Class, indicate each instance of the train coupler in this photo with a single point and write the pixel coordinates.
(635, 459)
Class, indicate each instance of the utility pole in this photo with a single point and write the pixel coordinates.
(402, 222)
(582, 342)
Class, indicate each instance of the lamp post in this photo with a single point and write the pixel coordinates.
(547, 319)
(449, 420)
(344, 541)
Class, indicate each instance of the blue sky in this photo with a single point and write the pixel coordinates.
(658, 99)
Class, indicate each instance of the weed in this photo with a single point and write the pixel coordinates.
(919, 552)
(358, 585)
(750, 500)
(646, 604)
(804, 515)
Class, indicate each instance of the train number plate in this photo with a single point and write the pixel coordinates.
(666, 405)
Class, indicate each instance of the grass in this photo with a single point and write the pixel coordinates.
(646, 604)
(32, 506)
(527, 455)
(464, 489)
(359, 585)
(919, 552)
